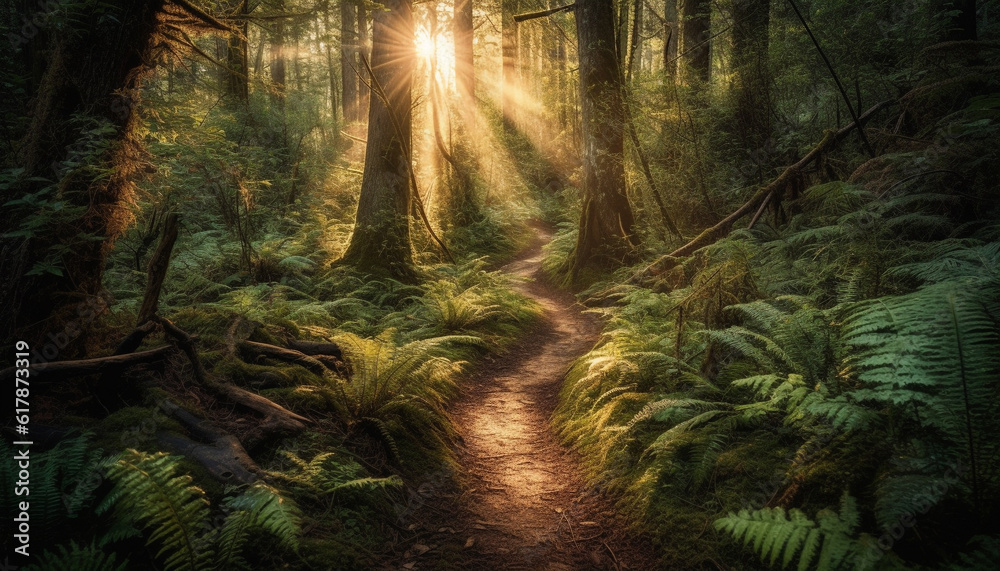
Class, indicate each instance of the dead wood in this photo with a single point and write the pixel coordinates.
(62, 369)
(723, 227)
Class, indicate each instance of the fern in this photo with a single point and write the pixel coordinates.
(77, 558)
(780, 536)
(931, 356)
(61, 481)
(259, 507)
(147, 493)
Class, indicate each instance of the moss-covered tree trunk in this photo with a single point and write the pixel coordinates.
(605, 236)
(695, 43)
(381, 239)
(80, 153)
(237, 76)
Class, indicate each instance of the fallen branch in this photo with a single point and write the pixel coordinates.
(543, 13)
(722, 228)
(92, 366)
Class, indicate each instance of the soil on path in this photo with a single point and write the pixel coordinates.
(523, 503)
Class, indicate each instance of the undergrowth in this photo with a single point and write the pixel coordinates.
(822, 389)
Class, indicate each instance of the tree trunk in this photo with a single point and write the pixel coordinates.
(671, 36)
(751, 78)
(695, 45)
(509, 48)
(364, 94)
(278, 72)
(349, 62)
(464, 70)
(381, 239)
(237, 75)
(83, 113)
(635, 44)
(605, 236)
(331, 67)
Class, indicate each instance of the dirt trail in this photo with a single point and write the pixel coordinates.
(524, 504)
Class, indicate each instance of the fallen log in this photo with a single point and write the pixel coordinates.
(722, 228)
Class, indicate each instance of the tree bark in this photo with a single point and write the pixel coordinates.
(349, 67)
(635, 44)
(364, 93)
(381, 239)
(751, 77)
(606, 221)
(91, 80)
(237, 76)
(695, 39)
(671, 35)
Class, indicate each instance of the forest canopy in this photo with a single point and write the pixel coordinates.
(676, 284)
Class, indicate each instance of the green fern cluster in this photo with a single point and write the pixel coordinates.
(781, 537)
(148, 494)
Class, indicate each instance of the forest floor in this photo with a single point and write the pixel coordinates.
(522, 502)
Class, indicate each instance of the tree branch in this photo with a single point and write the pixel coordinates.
(543, 13)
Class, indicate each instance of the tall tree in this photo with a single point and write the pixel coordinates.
(278, 74)
(635, 44)
(80, 152)
(462, 31)
(695, 43)
(237, 75)
(751, 77)
(349, 61)
(381, 238)
(509, 49)
(606, 221)
(364, 93)
(671, 37)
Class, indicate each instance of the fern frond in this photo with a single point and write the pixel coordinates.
(173, 511)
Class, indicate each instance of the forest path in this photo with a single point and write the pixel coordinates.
(524, 502)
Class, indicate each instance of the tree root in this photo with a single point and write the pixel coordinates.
(220, 453)
(282, 354)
